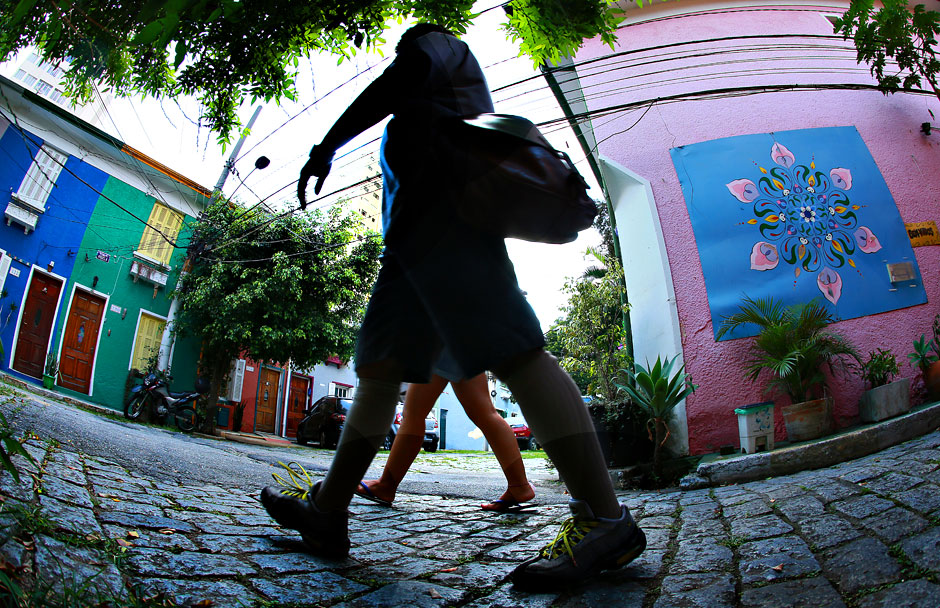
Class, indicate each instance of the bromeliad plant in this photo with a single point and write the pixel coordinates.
(793, 345)
(926, 351)
(923, 355)
(880, 369)
(657, 390)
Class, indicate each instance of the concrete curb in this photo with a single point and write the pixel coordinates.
(254, 439)
(817, 454)
(48, 394)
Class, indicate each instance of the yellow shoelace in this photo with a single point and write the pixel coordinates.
(298, 483)
(572, 532)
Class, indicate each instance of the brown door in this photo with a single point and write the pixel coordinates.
(267, 400)
(296, 402)
(80, 341)
(36, 325)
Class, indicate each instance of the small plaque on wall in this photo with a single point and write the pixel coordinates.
(900, 272)
(923, 233)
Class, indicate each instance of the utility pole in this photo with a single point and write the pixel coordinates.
(230, 163)
(166, 342)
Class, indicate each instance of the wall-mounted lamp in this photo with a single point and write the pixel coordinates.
(123, 314)
(925, 128)
(70, 253)
(94, 282)
(50, 266)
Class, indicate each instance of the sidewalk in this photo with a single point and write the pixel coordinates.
(864, 533)
(712, 470)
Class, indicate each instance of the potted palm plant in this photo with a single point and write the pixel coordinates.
(657, 390)
(794, 347)
(885, 398)
(51, 371)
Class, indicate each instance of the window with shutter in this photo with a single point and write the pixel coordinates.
(40, 177)
(163, 222)
(147, 343)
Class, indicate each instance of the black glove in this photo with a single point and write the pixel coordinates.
(319, 165)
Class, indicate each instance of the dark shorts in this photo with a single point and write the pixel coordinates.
(461, 294)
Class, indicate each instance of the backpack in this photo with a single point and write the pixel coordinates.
(508, 180)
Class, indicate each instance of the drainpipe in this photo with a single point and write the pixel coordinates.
(577, 96)
(286, 400)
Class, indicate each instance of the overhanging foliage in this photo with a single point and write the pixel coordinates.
(224, 51)
(277, 287)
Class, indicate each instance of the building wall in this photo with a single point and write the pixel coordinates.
(113, 231)
(640, 140)
(58, 233)
(325, 373)
(89, 210)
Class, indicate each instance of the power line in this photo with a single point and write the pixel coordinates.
(27, 137)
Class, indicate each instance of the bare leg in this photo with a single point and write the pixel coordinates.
(475, 399)
(551, 403)
(419, 400)
(367, 423)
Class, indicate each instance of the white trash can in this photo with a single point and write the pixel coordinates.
(756, 427)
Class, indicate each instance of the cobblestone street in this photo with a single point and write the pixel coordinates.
(864, 533)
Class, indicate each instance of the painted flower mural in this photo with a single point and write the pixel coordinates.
(812, 217)
(806, 219)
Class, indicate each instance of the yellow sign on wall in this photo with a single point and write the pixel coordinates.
(923, 233)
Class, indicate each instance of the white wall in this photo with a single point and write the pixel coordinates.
(654, 317)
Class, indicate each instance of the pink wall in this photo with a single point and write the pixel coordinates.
(889, 126)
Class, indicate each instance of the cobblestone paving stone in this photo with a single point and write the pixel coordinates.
(862, 534)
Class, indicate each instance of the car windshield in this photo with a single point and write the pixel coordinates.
(343, 405)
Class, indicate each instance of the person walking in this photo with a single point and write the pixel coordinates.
(473, 395)
(445, 283)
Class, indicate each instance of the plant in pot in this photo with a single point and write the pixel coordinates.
(794, 346)
(885, 398)
(237, 415)
(926, 358)
(51, 371)
(657, 389)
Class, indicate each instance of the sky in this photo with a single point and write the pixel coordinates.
(166, 130)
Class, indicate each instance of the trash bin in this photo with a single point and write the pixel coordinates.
(756, 427)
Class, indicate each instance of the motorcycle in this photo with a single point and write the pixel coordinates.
(156, 394)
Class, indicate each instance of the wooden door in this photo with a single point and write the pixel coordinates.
(36, 325)
(266, 411)
(80, 341)
(296, 402)
(147, 342)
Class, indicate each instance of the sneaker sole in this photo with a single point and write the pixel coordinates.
(527, 582)
(627, 557)
(329, 551)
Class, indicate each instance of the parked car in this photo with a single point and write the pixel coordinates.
(432, 435)
(323, 422)
(522, 432)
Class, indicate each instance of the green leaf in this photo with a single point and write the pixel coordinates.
(180, 54)
(149, 34)
(22, 8)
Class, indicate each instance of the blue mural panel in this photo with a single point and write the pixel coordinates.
(796, 215)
